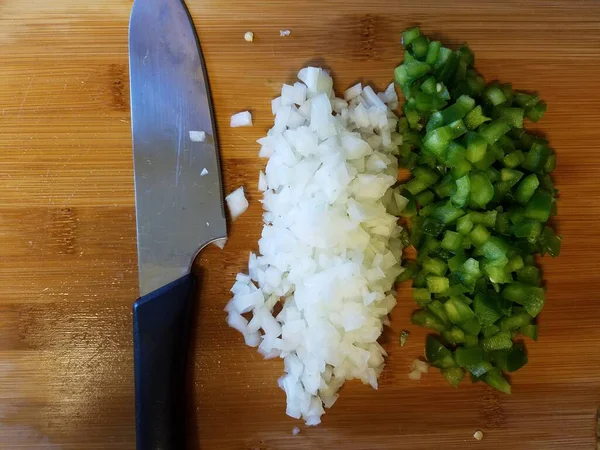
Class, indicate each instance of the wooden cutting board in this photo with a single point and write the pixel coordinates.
(67, 226)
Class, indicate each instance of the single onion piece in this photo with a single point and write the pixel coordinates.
(204, 172)
(249, 36)
(415, 375)
(421, 366)
(197, 136)
(237, 203)
(241, 119)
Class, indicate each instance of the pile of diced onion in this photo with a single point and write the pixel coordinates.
(329, 252)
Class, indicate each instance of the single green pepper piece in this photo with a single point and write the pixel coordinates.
(428, 320)
(472, 327)
(471, 341)
(510, 360)
(515, 321)
(468, 273)
(410, 35)
(456, 262)
(526, 188)
(455, 154)
(461, 169)
(550, 163)
(454, 335)
(530, 331)
(499, 341)
(549, 242)
(435, 266)
(428, 86)
(475, 118)
(487, 309)
(526, 100)
(476, 146)
(479, 235)
(536, 157)
(494, 95)
(463, 105)
(408, 72)
(511, 176)
(425, 198)
(482, 191)
(461, 193)
(528, 229)
(514, 159)
(426, 175)
(438, 355)
(531, 297)
(487, 218)
(495, 379)
(478, 370)
(490, 330)
(419, 47)
(494, 130)
(454, 375)
(437, 285)
(437, 308)
(452, 241)
(458, 312)
(514, 116)
(447, 213)
(445, 187)
(421, 296)
(464, 225)
(536, 112)
(529, 275)
(433, 52)
(494, 249)
(466, 357)
(538, 208)
(415, 186)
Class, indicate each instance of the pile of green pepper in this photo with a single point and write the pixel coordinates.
(479, 202)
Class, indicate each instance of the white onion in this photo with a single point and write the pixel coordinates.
(249, 36)
(204, 172)
(197, 136)
(415, 375)
(329, 251)
(241, 119)
(237, 203)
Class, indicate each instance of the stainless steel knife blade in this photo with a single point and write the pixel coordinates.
(178, 189)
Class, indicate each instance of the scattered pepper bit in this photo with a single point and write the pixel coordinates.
(404, 337)
(478, 435)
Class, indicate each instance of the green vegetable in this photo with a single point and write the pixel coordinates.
(479, 204)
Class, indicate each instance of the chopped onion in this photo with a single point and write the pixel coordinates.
(204, 172)
(249, 36)
(329, 250)
(295, 431)
(197, 136)
(415, 375)
(237, 203)
(262, 182)
(478, 435)
(353, 92)
(284, 33)
(421, 366)
(242, 119)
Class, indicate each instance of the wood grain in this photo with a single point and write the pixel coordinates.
(67, 226)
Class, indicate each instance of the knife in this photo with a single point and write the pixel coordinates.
(179, 207)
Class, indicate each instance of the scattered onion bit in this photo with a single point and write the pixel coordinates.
(249, 36)
(283, 33)
(237, 203)
(478, 435)
(197, 136)
(419, 365)
(414, 375)
(241, 119)
(295, 431)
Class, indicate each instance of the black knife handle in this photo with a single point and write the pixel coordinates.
(160, 337)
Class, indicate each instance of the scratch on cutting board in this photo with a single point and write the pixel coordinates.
(26, 94)
(179, 137)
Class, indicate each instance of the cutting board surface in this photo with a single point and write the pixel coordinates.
(67, 226)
